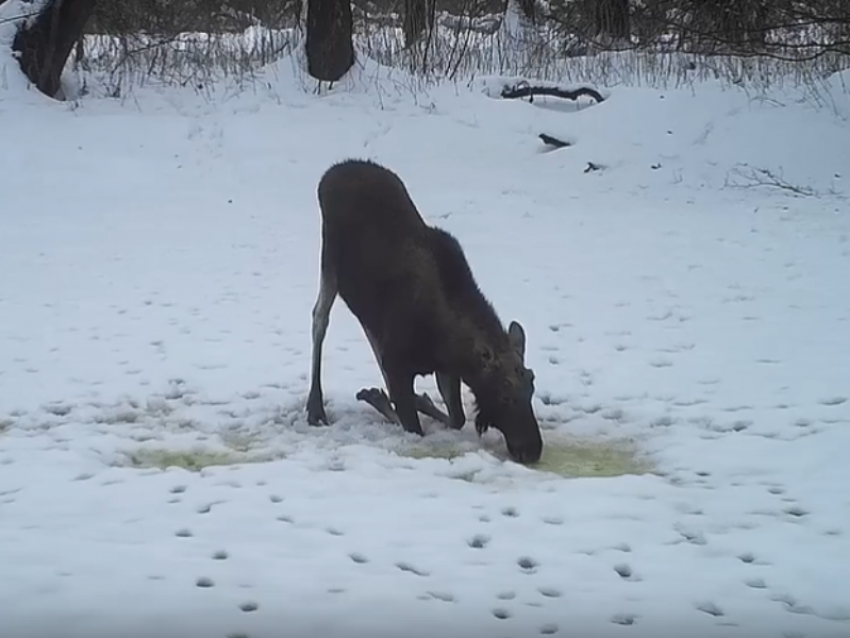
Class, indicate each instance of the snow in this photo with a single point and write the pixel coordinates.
(160, 261)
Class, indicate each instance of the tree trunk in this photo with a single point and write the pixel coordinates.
(329, 46)
(612, 19)
(415, 20)
(529, 10)
(45, 45)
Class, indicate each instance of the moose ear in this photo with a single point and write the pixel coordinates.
(516, 335)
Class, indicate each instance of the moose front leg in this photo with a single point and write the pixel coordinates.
(449, 387)
(400, 384)
(426, 406)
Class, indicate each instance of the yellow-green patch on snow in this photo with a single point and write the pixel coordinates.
(193, 460)
(589, 458)
(562, 455)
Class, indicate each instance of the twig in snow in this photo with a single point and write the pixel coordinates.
(764, 177)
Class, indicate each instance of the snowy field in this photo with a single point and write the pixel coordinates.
(159, 259)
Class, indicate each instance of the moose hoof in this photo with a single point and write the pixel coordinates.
(316, 412)
(379, 400)
(373, 396)
(317, 418)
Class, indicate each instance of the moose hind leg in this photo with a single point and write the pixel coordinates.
(449, 387)
(321, 319)
(376, 397)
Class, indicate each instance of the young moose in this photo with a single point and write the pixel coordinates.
(411, 289)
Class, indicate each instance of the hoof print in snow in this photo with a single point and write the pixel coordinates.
(747, 557)
(407, 567)
(506, 595)
(479, 541)
(249, 606)
(334, 531)
(796, 511)
(285, 519)
(624, 571)
(501, 613)
(336, 590)
(548, 629)
(274, 498)
(220, 555)
(65, 410)
(553, 520)
(623, 619)
(709, 608)
(511, 512)
(830, 401)
(178, 489)
(204, 582)
(183, 533)
(360, 559)
(527, 564)
(756, 583)
(446, 597)
(694, 538)
(550, 592)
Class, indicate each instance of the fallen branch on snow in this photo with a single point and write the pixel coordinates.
(525, 89)
(751, 177)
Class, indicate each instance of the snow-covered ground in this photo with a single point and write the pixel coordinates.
(159, 260)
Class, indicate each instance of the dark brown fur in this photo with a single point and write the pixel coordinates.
(411, 289)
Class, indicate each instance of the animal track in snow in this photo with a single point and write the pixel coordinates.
(183, 533)
(506, 595)
(510, 512)
(407, 567)
(249, 606)
(624, 571)
(833, 401)
(446, 597)
(220, 555)
(709, 608)
(479, 541)
(360, 559)
(527, 564)
(204, 582)
(750, 559)
(501, 613)
(796, 511)
(550, 592)
(623, 619)
(548, 629)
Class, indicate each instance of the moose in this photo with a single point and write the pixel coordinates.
(410, 287)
